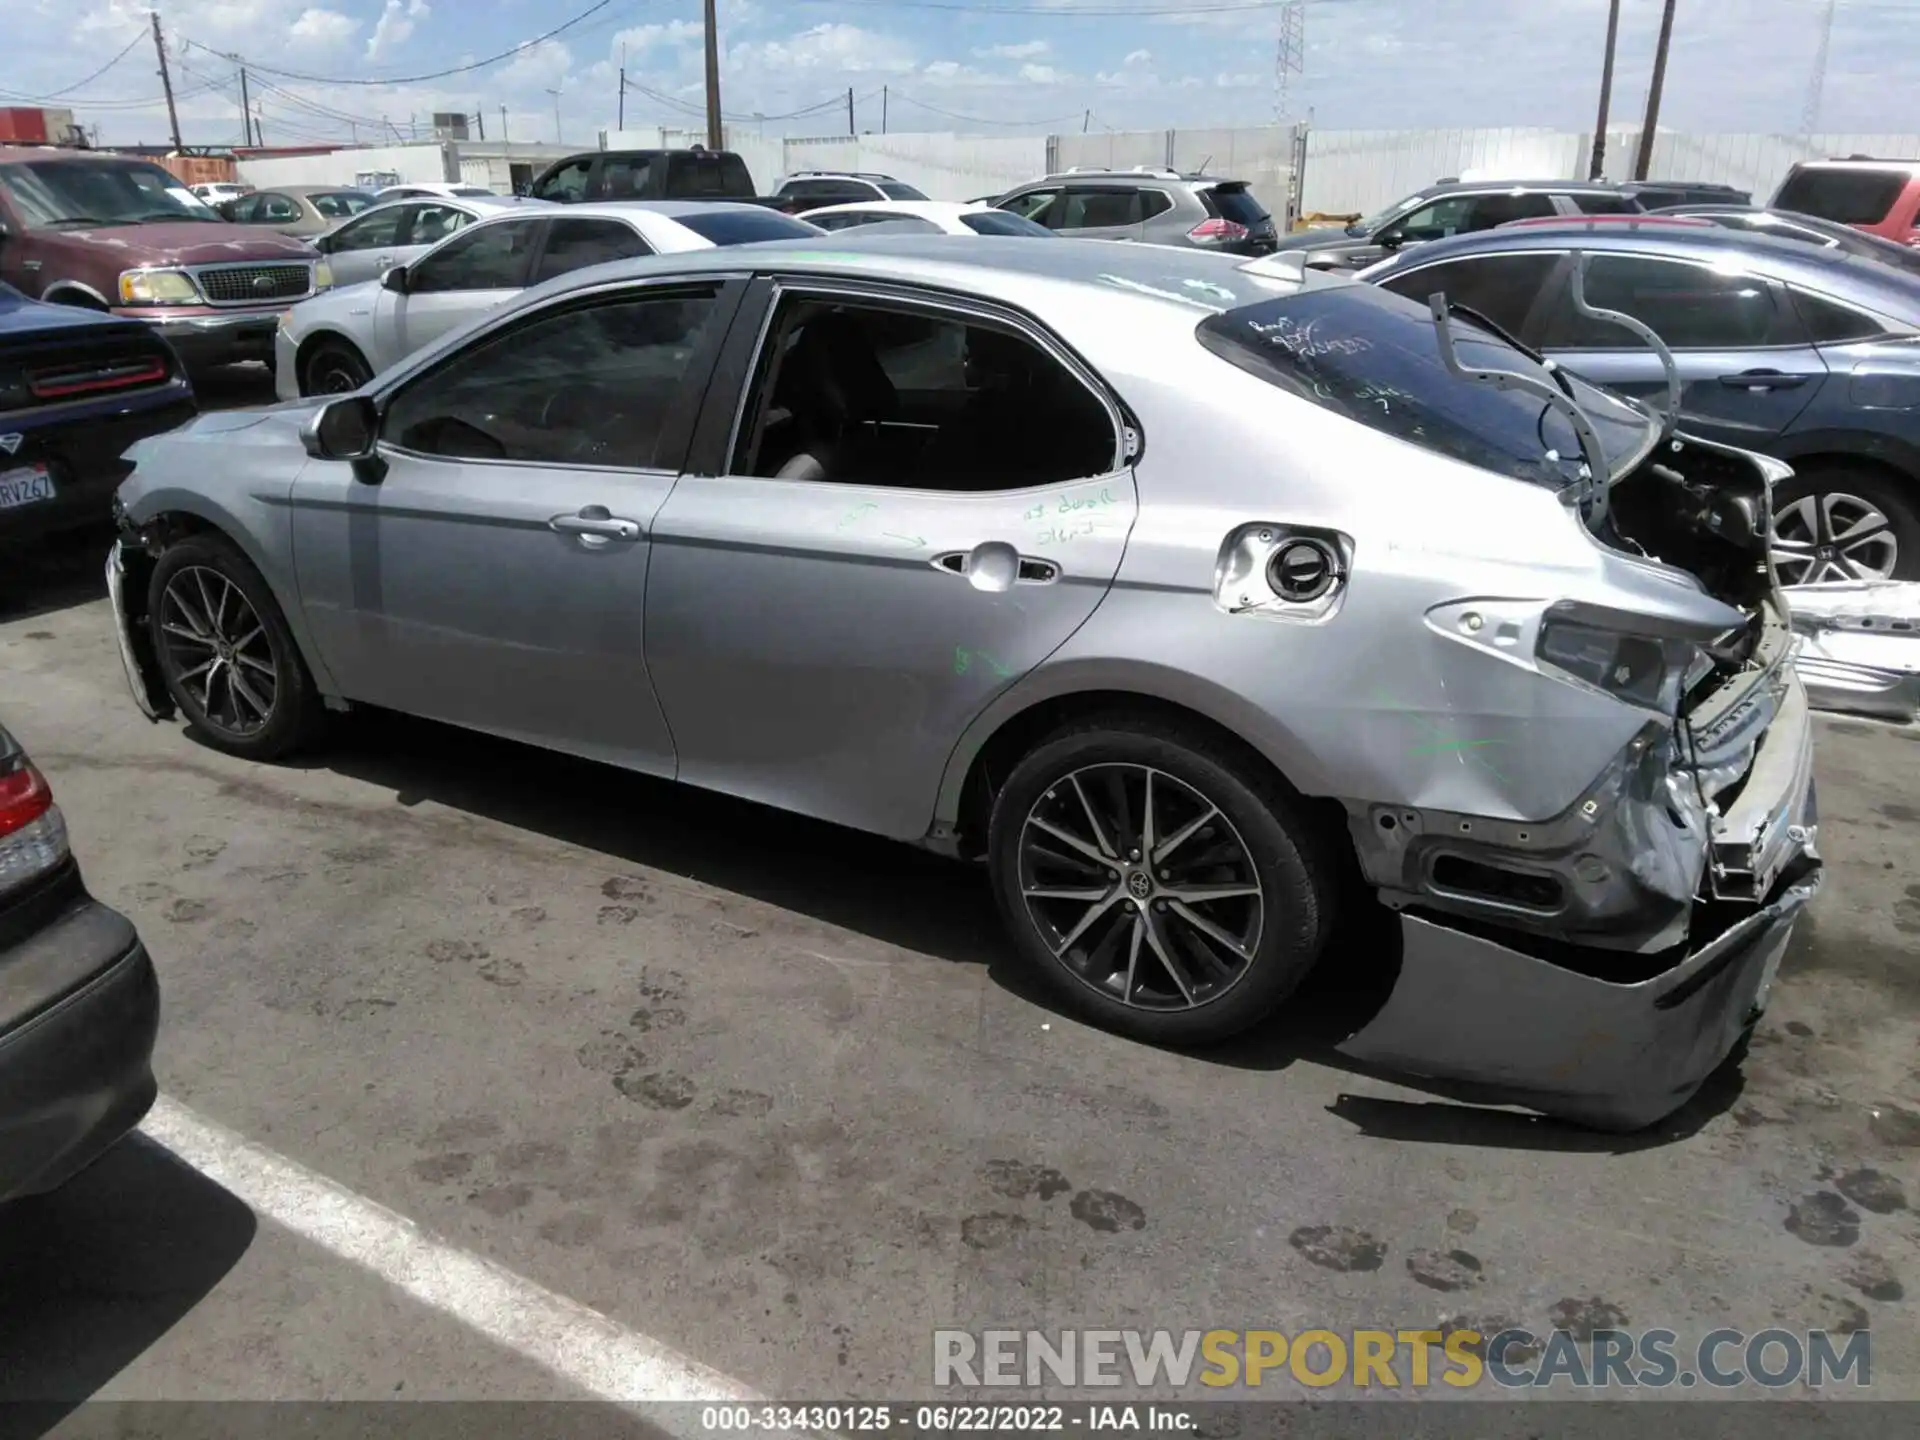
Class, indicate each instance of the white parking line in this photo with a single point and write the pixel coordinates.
(582, 1347)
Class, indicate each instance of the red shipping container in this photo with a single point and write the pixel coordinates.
(23, 125)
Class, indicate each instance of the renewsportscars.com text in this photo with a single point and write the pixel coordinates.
(1400, 1359)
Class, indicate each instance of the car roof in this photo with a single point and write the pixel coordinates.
(1558, 187)
(672, 209)
(1910, 167)
(316, 189)
(928, 209)
(1115, 270)
(1137, 177)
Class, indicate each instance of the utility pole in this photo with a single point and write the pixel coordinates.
(714, 142)
(503, 126)
(883, 109)
(621, 123)
(1599, 165)
(1810, 117)
(166, 80)
(246, 111)
(556, 115)
(1086, 119)
(480, 122)
(849, 110)
(1645, 159)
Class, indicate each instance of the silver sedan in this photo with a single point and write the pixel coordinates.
(1221, 609)
(341, 339)
(398, 232)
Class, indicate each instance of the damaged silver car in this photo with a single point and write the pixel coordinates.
(1212, 604)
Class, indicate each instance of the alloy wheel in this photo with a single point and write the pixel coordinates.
(1832, 535)
(218, 650)
(1141, 887)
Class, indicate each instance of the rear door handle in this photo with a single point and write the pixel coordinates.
(596, 523)
(1763, 380)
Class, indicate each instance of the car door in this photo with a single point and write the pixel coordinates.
(478, 268)
(1747, 368)
(366, 246)
(821, 643)
(495, 575)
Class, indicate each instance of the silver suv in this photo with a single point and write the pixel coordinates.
(1160, 207)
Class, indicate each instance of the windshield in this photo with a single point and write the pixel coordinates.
(746, 227)
(53, 193)
(1853, 197)
(999, 222)
(1374, 357)
(338, 204)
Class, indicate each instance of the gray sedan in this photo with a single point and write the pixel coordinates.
(397, 232)
(302, 210)
(1159, 581)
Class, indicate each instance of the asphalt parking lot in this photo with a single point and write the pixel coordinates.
(774, 1095)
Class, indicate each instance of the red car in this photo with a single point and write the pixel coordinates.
(1881, 197)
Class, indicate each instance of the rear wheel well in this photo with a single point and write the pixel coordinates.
(1031, 727)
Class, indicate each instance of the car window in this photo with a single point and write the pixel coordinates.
(1154, 202)
(434, 222)
(812, 189)
(1090, 209)
(848, 219)
(895, 190)
(245, 210)
(278, 209)
(1853, 197)
(877, 393)
(486, 257)
(371, 231)
(1690, 306)
(624, 177)
(588, 385)
(715, 174)
(744, 225)
(999, 222)
(1828, 322)
(338, 204)
(1032, 205)
(1235, 203)
(1437, 220)
(576, 244)
(1464, 214)
(568, 183)
(78, 193)
(1608, 204)
(1501, 287)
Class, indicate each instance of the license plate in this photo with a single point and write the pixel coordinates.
(25, 485)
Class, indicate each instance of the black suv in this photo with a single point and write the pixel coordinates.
(1660, 194)
(1160, 207)
(811, 189)
(1455, 207)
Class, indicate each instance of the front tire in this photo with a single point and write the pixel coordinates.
(225, 652)
(1162, 884)
(1845, 523)
(335, 367)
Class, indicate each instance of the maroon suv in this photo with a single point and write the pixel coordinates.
(114, 232)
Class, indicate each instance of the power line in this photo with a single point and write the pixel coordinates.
(68, 90)
(433, 75)
(1061, 12)
(979, 119)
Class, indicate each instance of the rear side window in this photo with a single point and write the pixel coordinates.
(1504, 288)
(1095, 209)
(1615, 204)
(745, 227)
(487, 257)
(1154, 202)
(894, 190)
(1853, 197)
(1830, 323)
(576, 244)
(624, 177)
(1235, 203)
(708, 174)
(1689, 306)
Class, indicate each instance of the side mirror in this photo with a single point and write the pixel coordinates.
(343, 429)
(395, 280)
(1390, 239)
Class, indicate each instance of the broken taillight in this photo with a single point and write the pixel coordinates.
(33, 836)
(1217, 231)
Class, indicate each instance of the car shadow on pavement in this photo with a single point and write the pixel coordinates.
(921, 902)
(56, 573)
(93, 1274)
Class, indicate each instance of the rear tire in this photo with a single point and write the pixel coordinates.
(225, 652)
(1843, 522)
(1231, 898)
(335, 367)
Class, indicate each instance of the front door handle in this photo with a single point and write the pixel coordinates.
(996, 565)
(1763, 380)
(595, 525)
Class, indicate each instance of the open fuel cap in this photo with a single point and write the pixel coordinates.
(1302, 570)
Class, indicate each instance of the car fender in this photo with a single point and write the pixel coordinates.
(63, 292)
(143, 507)
(1121, 678)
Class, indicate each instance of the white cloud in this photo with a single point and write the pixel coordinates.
(1137, 57)
(1025, 50)
(833, 47)
(1239, 82)
(393, 28)
(324, 27)
(1041, 75)
(639, 39)
(943, 69)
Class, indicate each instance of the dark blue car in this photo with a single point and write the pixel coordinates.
(77, 387)
(1809, 355)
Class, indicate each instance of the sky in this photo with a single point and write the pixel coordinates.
(344, 69)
